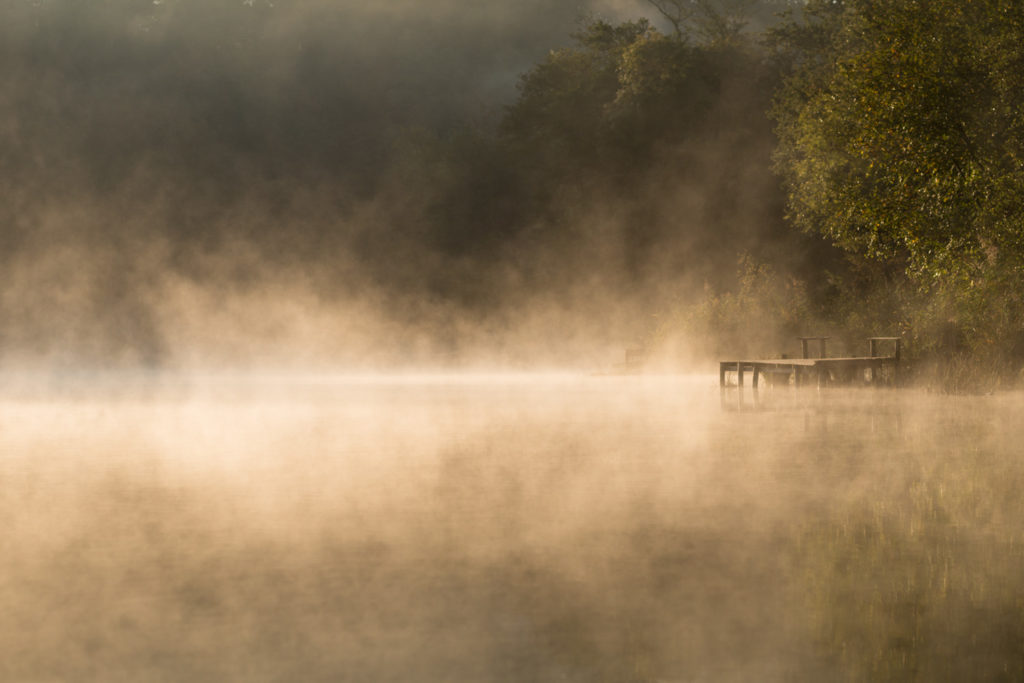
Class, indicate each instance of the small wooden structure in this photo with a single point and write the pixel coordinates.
(817, 370)
(636, 356)
(822, 341)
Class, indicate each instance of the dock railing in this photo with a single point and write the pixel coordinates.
(819, 370)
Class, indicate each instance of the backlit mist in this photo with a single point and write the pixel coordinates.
(377, 341)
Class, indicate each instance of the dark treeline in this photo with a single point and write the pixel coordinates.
(717, 177)
(900, 127)
(234, 148)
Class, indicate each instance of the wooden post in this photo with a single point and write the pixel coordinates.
(739, 374)
(894, 358)
(756, 374)
(822, 346)
(721, 375)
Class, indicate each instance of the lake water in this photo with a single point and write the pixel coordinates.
(507, 528)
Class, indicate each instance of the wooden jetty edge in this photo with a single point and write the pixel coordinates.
(820, 370)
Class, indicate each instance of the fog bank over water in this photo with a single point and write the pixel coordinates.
(324, 183)
(507, 529)
(317, 316)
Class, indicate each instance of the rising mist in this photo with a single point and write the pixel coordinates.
(296, 183)
(312, 325)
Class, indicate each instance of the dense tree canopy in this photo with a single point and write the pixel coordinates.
(721, 21)
(670, 133)
(901, 131)
(635, 161)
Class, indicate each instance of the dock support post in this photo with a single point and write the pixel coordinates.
(721, 375)
(739, 375)
(756, 373)
(896, 364)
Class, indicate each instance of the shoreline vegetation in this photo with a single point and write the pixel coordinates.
(896, 133)
(708, 182)
(899, 142)
(767, 313)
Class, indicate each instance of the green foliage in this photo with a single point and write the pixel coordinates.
(670, 136)
(900, 140)
(631, 161)
(574, 107)
(622, 92)
(766, 311)
(902, 136)
(563, 97)
(664, 87)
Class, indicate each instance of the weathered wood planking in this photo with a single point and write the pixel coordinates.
(821, 371)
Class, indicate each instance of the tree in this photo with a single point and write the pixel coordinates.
(563, 101)
(623, 93)
(668, 136)
(901, 129)
(712, 21)
(901, 136)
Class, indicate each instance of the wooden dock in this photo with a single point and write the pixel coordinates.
(820, 371)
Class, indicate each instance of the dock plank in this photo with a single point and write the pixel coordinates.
(821, 369)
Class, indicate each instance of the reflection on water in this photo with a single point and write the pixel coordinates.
(823, 407)
(507, 529)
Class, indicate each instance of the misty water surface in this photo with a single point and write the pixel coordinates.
(507, 528)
